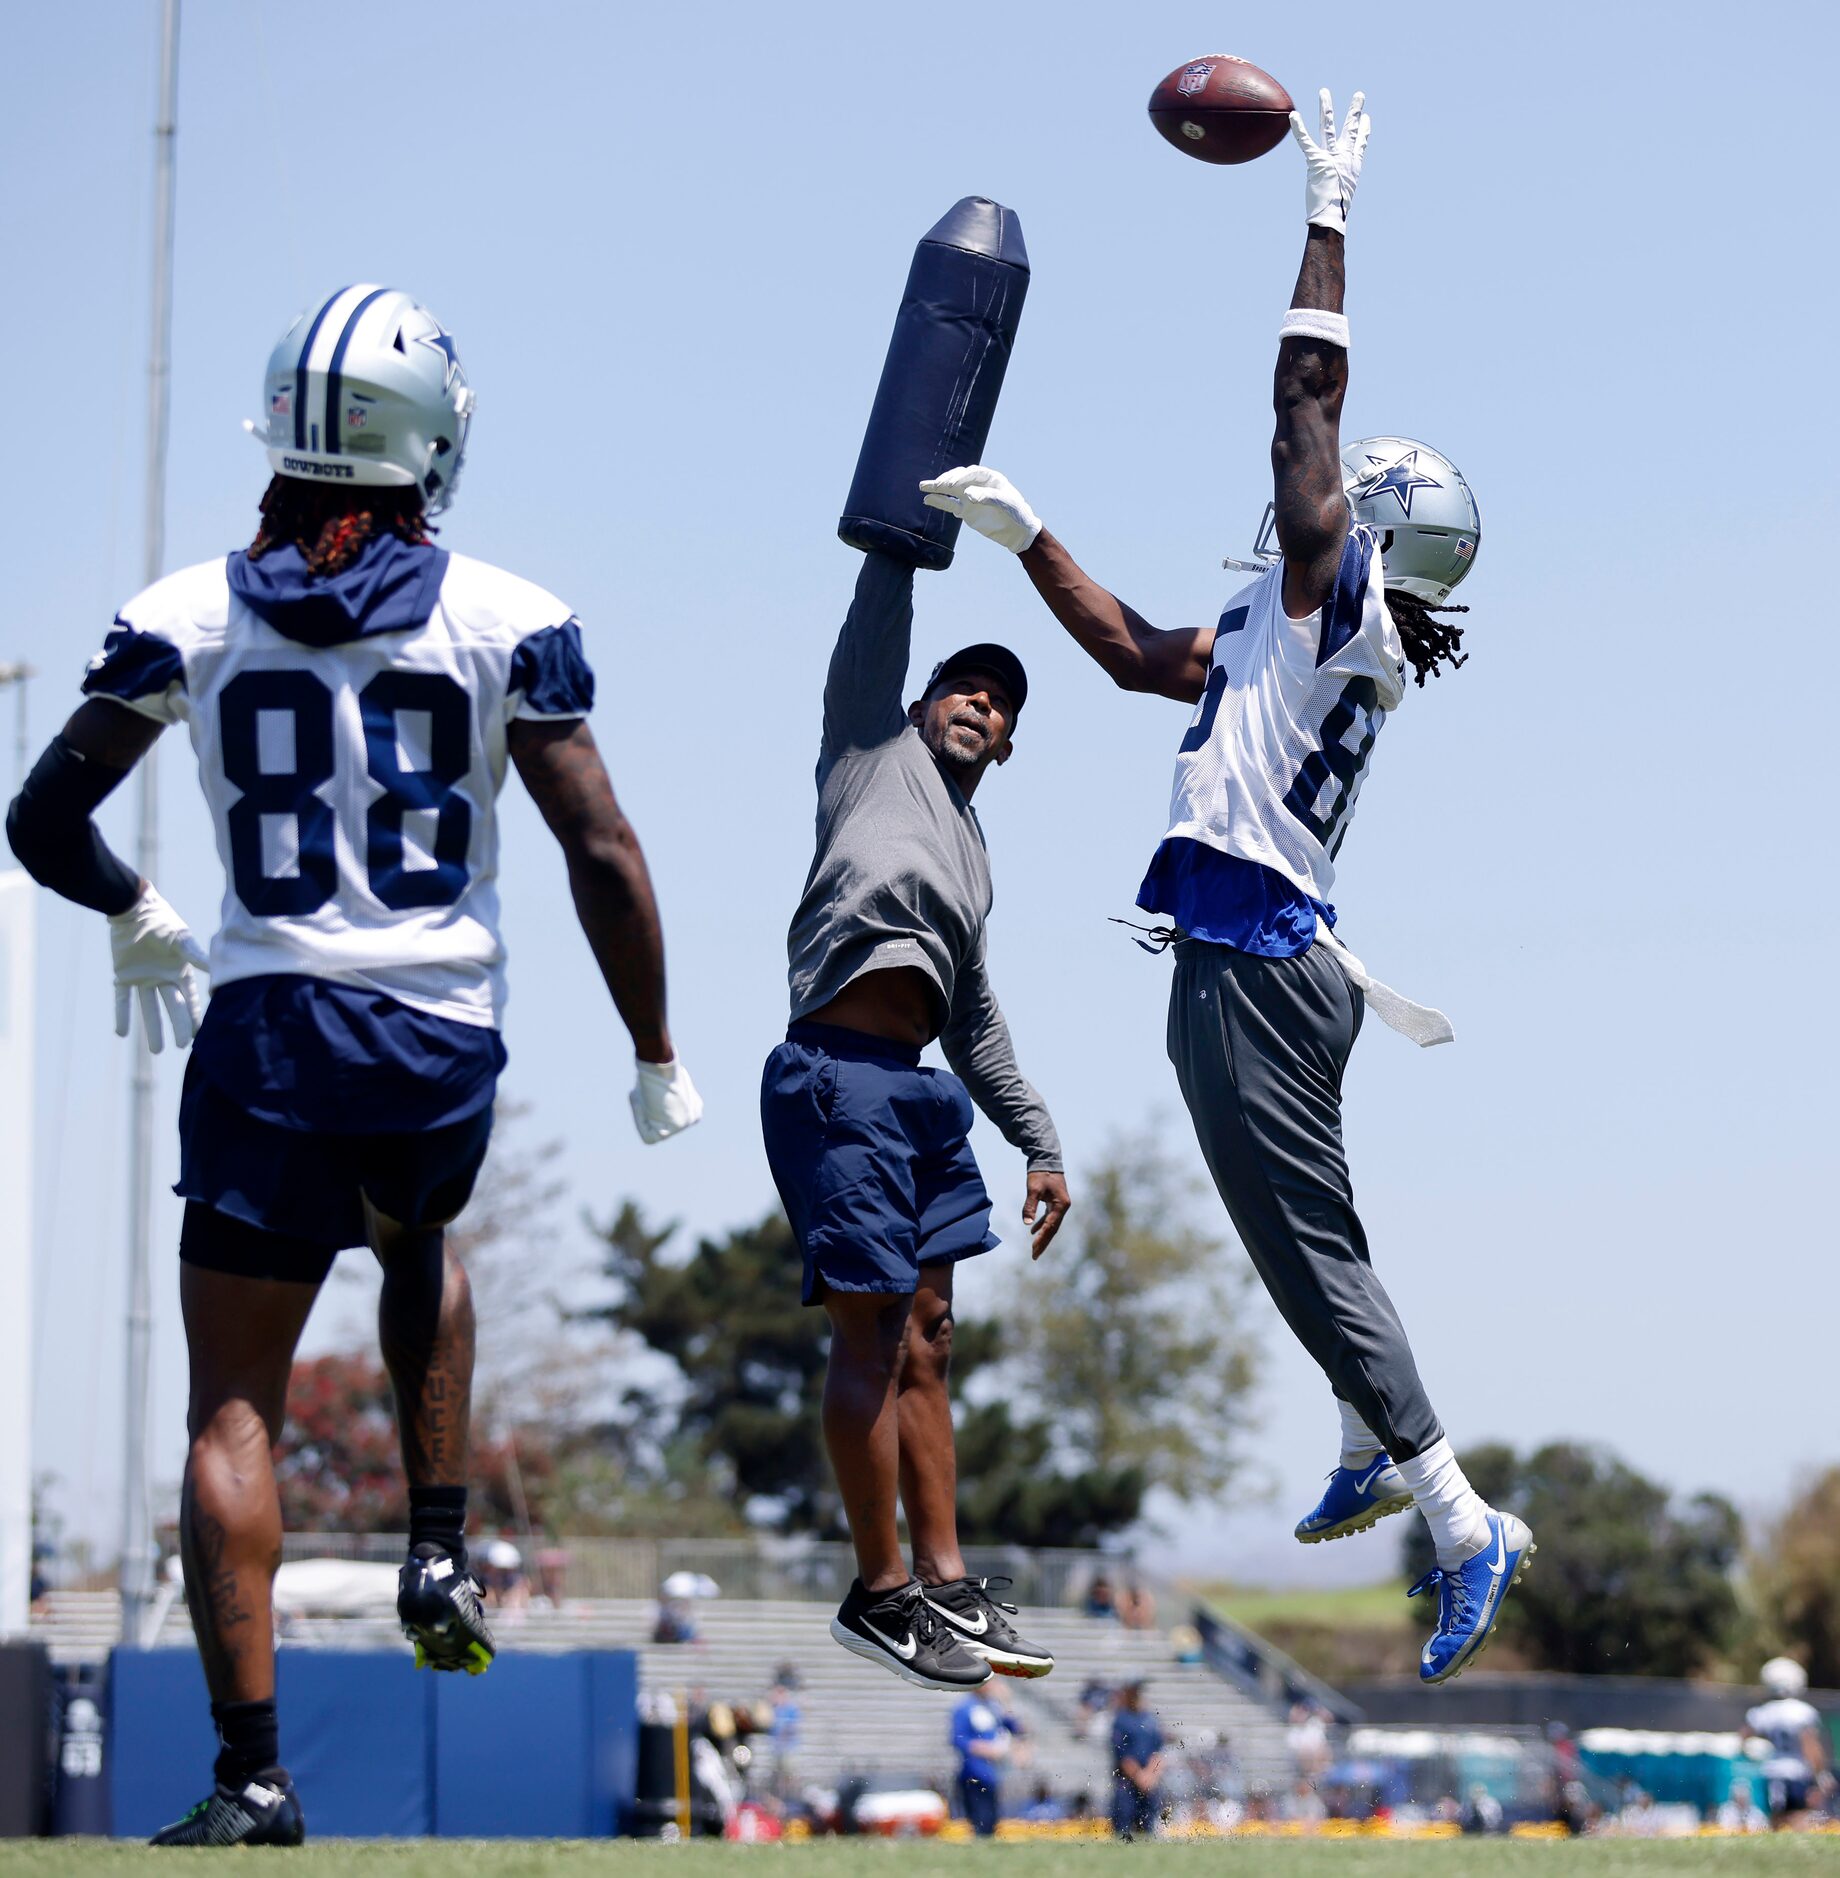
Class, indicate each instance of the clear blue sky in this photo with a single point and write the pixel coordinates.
(1591, 259)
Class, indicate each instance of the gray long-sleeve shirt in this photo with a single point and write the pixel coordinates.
(901, 876)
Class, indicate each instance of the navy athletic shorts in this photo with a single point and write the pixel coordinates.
(310, 1185)
(872, 1159)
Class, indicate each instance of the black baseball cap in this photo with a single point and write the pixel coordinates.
(998, 661)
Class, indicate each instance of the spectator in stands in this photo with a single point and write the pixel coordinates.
(1481, 1812)
(1101, 1599)
(1043, 1808)
(1137, 1765)
(1095, 1700)
(1136, 1606)
(501, 1573)
(1303, 1805)
(983, 1730)
(1307, 1737)
(1640, 1818)
(1185, 1643)
(784, 1735)
(676, 1621)
(1741, 1813)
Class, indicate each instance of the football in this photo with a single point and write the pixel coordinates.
(1221, 109)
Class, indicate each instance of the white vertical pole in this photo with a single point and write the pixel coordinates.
(16, 1104)
(137, 1551)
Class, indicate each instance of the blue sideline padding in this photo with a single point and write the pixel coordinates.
(540, 1747)
(552, 1755)
(357, 1734)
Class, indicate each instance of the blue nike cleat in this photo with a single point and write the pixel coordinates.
(1355, 1498)
(1470, 1598)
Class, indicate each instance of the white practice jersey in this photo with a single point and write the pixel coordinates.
(1280, 741)
(1784, 1722)
(353, 786)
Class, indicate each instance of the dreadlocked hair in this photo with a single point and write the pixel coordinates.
(330, 526)
(1430, 643)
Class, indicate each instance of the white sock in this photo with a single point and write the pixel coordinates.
(1359, 1442)
(1455, 1512)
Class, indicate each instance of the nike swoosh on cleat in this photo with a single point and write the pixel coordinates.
(963, 1623)
(1361, 1486)
(905, 1651)
(1500, 1562)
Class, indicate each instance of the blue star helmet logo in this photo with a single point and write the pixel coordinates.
(1398, 478)
(442, 343)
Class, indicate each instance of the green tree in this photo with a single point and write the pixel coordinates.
(339, 1468)
(751, 1357)
(1795, 1577)
(743, 1426)
(1132, 1337)
(1627, 1581)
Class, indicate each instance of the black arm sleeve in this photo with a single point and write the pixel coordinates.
(58, 844)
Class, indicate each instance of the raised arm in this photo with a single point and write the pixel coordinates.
(1312, 377)
(562, 768)
(863, 705)
(1135, 655)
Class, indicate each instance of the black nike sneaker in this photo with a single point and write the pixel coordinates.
(900, 1630)
(265, 1811)
(983, 1626)
(438, 1602)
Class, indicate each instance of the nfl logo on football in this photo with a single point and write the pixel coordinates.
(1193, 79)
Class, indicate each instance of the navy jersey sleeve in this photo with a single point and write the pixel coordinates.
(550, 675)
(140, 670)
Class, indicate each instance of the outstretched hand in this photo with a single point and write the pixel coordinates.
(1044, 1207)
(1335, 163)
(989, 501)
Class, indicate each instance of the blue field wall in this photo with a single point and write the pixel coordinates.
(541, 1747)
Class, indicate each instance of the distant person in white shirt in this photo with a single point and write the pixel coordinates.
(1741, 1813)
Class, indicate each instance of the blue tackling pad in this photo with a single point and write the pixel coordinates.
(938, 393)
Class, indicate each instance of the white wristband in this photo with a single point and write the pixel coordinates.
(1308, 322)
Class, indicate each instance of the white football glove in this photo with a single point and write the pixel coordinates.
(664, 1101)
(155, 954)
(1334, 164)
(989, 501)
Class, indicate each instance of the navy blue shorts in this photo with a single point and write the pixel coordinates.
(310, 1185)
(872, 1159)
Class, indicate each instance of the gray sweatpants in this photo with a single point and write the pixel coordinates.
(1259, 1047)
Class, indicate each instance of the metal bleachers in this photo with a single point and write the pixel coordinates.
(854, 1718)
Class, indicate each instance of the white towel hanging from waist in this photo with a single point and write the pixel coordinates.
(1419, 1022)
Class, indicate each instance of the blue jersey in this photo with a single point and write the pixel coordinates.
(976, 1724)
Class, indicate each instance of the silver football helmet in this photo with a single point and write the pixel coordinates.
(367, 388)
(1416, 499)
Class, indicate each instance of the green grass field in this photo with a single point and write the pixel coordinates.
(834, 1858)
